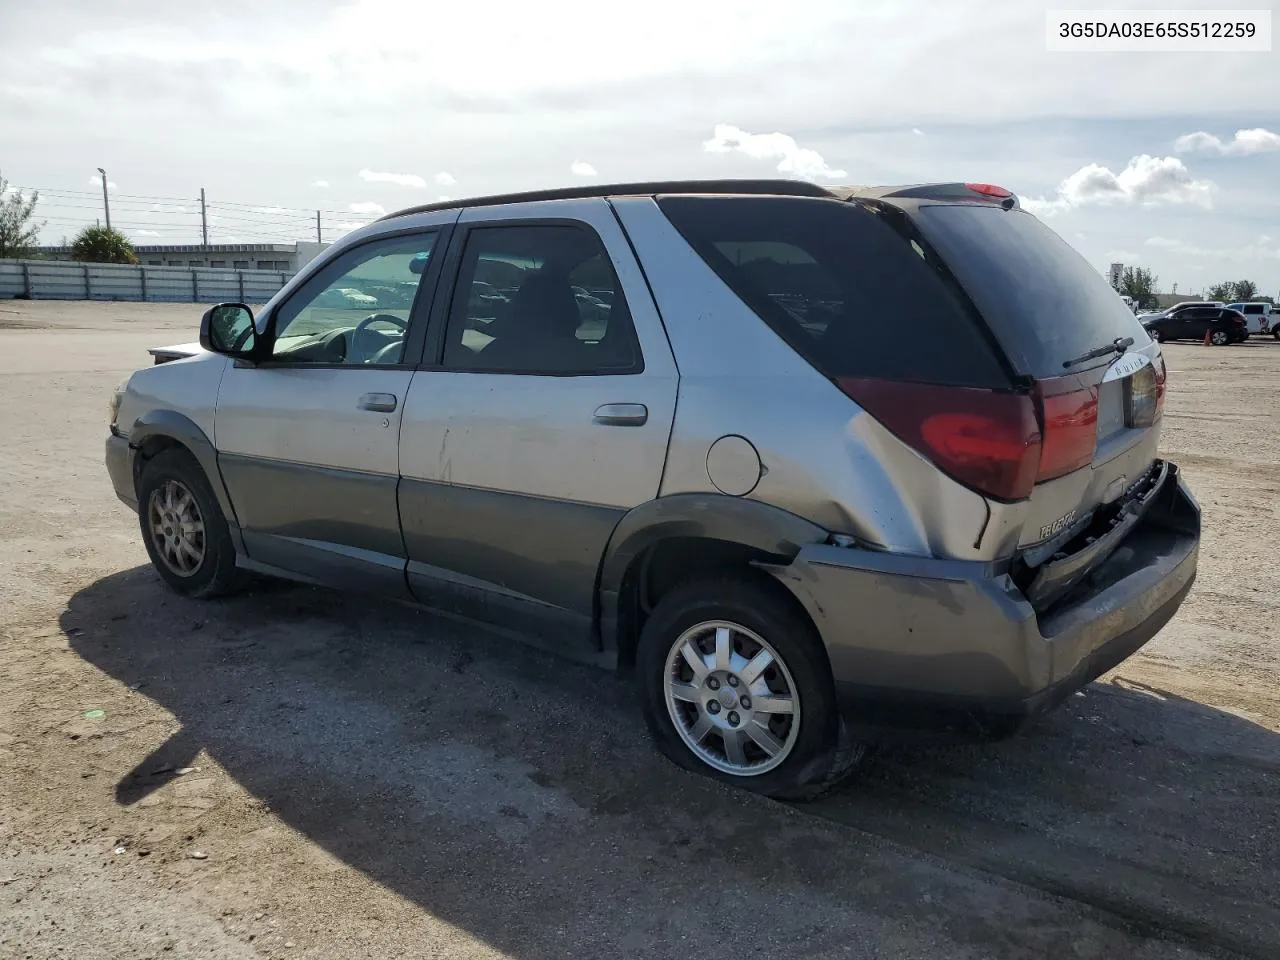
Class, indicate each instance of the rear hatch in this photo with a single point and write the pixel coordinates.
(1049, 309)
(974, 333)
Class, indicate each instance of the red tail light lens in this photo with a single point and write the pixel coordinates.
(986, 440)
(1162, 375)
(989, 190)
(1069, 406)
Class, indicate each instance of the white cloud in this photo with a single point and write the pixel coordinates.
(97, 182)
(376, 209)
(1147, 181)
(917, 131)
(1264, 248)
(1122, 256)
(1244, 143)
(271, 210)
(170, 208)
(400, 179)
(442, 199)
(320, 183)
(145, 233)
(444, 179)
(792, 158)
(580, 168)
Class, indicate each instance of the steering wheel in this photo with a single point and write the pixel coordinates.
(369, 321)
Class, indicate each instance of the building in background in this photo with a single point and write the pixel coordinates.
(279, 257)
(1116, 274)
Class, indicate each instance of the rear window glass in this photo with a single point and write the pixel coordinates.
(1045, 303)
(846, 289)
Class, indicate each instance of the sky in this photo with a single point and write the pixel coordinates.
(354, 107)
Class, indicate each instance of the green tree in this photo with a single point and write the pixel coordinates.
(1245, 290)
(102, 245)
(18, 232)
(1225, 292)
(1140, 284)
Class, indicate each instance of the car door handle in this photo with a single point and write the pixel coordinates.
(378, 402)
(622, 414)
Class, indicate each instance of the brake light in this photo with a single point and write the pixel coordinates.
(989, 190)
(1069, 408)
(986, 440)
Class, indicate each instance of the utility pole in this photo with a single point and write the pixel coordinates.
(318, 240)
(204, 223)
(106, 204)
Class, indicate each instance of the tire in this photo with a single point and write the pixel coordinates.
(1219, 338)
(1275, 331)
(816, 752)
(174, 495)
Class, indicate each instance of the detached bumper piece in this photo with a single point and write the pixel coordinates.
(949, 647)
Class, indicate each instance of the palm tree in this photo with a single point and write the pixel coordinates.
(102, 245)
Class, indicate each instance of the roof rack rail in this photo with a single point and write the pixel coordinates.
(788, 188)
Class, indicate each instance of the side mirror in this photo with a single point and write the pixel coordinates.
(227, 328)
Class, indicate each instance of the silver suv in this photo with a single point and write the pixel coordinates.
(818, 466)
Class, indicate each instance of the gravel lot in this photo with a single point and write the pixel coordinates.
(298, 773)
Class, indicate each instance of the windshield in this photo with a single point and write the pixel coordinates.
(1043, 301)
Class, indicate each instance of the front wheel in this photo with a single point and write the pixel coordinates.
(735, 684)
(1275, 331)
(184, 530)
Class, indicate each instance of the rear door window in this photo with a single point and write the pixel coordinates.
(539, 299)
(842, 285)
(1045, 303)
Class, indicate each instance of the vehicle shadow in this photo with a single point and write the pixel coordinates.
(515, 795)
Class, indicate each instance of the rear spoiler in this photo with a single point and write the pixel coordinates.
(176, 352)
(978, 192)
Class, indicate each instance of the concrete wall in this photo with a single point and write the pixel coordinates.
(65, 280)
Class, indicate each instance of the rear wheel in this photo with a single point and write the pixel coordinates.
(183, 528)
(1219, 338)
(735, 684)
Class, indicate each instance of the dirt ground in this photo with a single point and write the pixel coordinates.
(297, 773)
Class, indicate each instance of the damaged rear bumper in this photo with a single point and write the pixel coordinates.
(955, 646)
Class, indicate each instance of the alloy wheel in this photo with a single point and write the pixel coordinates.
(732, 699)
(177, 527)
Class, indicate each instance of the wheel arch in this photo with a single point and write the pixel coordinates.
(660, 543)
(159, 430)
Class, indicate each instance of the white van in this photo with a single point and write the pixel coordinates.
(1260, 317)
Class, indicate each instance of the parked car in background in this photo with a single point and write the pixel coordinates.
(1260, 317)
(1152, 314)
(1193, 323)
(721, 470)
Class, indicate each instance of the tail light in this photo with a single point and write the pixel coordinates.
(1000, 444)
(1162, 375)
(1069, 406)
(986, 440)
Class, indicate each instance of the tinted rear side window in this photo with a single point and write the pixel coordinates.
(1045, 303)
(849, 291)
